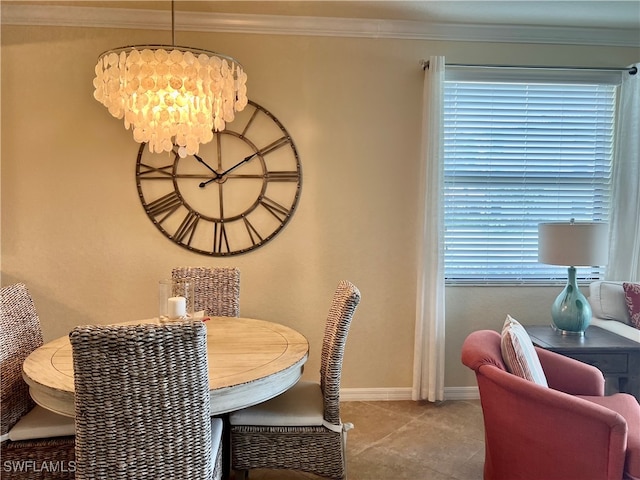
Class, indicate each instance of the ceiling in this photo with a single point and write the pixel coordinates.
(623, 14)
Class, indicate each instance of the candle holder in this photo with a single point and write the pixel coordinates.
(175, 299)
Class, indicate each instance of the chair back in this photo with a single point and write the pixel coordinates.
(217, 289)
(20, 334)
(142, 401)
(345, 300)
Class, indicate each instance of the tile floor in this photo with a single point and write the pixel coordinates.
(408, 440)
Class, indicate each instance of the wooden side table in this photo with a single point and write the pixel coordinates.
(618, 358)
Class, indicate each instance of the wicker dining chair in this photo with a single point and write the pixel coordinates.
(301, 429)
(142, 403)
(217, 289)
(29, 433)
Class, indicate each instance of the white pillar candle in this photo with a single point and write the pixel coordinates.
(177, 307)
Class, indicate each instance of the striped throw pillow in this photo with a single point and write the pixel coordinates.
(519, 354)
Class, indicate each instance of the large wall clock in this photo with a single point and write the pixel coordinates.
(235, 195)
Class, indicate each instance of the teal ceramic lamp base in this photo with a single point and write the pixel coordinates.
(571, 312)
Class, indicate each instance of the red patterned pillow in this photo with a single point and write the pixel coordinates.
(632, 297)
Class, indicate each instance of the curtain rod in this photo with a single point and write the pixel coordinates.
(632, 70)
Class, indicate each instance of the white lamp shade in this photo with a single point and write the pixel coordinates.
(578, 244)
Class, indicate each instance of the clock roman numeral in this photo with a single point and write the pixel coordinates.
(285, 176)
(220, 240)
(274, 208)
(166, 205)
(251, 230)
(274, 146)
(249, 122)
(155, 173)
(187, 228)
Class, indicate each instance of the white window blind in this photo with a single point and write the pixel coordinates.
(518, 154)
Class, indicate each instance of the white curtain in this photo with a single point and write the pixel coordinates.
(624, 249)
(428, 363)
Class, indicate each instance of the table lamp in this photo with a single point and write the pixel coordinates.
(572, 244)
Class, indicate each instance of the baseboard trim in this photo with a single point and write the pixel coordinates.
(402, 393)
(461, 393)
(374, 394)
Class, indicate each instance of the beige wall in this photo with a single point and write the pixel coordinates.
(74, 231)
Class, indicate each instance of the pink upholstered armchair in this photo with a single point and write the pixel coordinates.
(569, 431)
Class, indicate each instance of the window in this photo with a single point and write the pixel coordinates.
(517, 154)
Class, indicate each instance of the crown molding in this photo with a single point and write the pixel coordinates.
(71, 16)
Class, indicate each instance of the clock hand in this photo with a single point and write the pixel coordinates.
(244, 160)
(220, 175)
(199, 159)
(206, 165)
(204, 184)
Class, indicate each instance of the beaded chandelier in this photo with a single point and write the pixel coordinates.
(170, 95)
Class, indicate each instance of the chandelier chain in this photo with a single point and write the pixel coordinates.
(173, 24)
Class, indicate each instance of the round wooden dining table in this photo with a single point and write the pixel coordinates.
(250, 361)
